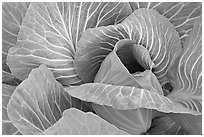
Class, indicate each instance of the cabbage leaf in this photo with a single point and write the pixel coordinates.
(7, 126)
(49, 34)
(186, 73)
(39, 101)
(144, 27)
(102, 68)
(12, 18)
(181, 14)
(76, 122)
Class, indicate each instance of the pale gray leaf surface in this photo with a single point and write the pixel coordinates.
(181, 14)
(124, 91)
(38, 102)
(93, 47)
(153, 31)
(164, 125)
(175, 124)
(76, 122)
(7, 127)
(192, 124)
(124, 97)
(144, 27)
(133, 121)
(12, 18)
(114, 86)
(112, 71)
(50, 32)
(186, 73)
(148, 81)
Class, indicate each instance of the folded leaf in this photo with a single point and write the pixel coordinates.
(50, 32)
(124, 97)
(114, 72)
(76, 122)
(143, 57)
(190, 123)
(133, 121)
(38, 102)
(145, 27)
(152, 30)
(148, 81)
(134, 57)
(12, 18)
(164, 125)
(93, 47)
(181, 14)
(186, 73)
(7, 127)
(176, 124)
(141, 63)
(114, 86)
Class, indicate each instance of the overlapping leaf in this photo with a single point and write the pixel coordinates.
(93, 47)
(133, 121)
(186, 73)
(115, 69)
(38, 102)
(192, 124)
(144, 27)
(154, 45)
(12, 18)
(117, 88)
(50, 32)
(153, 31)
(164, 125)
(120, 90)
(7, 127)
(176, 124)
(76, 122)
(122, 97)
(181, 14)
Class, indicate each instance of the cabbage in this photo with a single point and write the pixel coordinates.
(102, 68)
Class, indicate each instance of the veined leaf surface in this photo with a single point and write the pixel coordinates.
(39, 101)
(186, 73)
(50, 31)
(76, 122)
(138, 66)
(144, 27)
(12, 18)
(181, 14)
(164, 125)
(124, 97)
(7, 127)
(115, 88)
(192, 124)
(176, 124)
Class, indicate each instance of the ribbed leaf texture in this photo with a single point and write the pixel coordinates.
(76, 122)
(12, 18)
(49, 34)
(7, 126)
(39, 101)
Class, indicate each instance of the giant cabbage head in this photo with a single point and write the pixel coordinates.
(102, 68)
